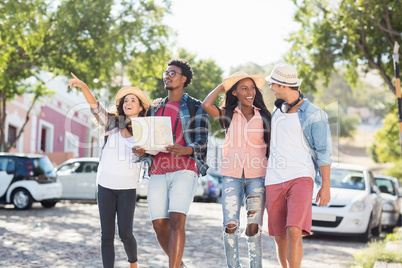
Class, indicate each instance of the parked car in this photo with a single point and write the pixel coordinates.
(25, 179)
(392, 201)
(211, 187)
(78, 177)
(355, 207)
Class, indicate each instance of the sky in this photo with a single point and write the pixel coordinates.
(234, 32)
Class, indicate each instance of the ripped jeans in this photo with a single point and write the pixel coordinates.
(233, 192)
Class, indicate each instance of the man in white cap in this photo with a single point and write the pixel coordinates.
(300, 153)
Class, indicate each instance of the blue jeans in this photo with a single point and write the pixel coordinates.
(233, 192)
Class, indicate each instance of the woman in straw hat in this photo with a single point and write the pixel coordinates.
(118, 175)
(244, 160)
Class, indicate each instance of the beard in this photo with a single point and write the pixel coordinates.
(168, 87)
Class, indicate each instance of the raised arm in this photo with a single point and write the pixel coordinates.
(208, 103)
(85, 90)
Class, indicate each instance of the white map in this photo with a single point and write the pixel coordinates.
(152, 133)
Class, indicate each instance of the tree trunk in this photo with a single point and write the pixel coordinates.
(2, 119)
(26, 121)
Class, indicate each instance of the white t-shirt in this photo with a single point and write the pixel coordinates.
(117, 169)
(289, 156)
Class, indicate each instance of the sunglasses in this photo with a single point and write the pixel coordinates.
(171, 74)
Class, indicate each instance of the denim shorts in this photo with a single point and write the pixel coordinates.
(171, 192)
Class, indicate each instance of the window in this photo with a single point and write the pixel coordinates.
(12, 135)
(68, 168)
(347, 179)
(71, 143)
(90, 167)
(45, 137)
(3, 163)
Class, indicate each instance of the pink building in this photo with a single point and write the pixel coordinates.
(60, 126)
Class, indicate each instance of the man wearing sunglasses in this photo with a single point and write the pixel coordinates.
(174, 174)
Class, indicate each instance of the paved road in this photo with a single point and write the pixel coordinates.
(68, 236)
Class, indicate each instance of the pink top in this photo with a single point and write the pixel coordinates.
(166, 162)
(244, 147)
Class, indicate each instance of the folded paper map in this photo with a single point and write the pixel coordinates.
(152, 133)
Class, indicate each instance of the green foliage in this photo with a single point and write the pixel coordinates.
(348, 125)
(396, 170)
(87, 37)
(346, 32)
(397, 236)
(366, 93)
(341, 124)
(378, 251)
(386, 146)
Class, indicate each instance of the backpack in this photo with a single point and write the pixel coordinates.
(266, 118)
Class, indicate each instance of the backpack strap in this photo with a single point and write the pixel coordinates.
(192, 106)
(200, 158)
(109, 128)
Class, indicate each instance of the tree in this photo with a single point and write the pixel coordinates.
(87, 37)
(386, 146)
(345, 32)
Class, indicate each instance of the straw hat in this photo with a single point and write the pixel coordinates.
(284, 74)
(236, 77)
(135, 91)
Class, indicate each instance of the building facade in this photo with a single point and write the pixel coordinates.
(60, 125)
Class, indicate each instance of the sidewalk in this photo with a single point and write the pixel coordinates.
(392, 245)
(67, 236)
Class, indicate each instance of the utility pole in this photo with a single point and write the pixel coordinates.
(398, 90)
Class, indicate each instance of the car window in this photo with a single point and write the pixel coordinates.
(386, 186)
(68, 168)
(347, 179)
(89, 167)
(5, 163)
(42, 166)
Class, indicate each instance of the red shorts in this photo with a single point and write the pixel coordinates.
(289, 204)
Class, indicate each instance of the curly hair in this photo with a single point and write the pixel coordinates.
(186, 69)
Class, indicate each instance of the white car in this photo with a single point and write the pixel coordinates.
(28, 178)
(78, 177)
(392, 200)
(355, 207)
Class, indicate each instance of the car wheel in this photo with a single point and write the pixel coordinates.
(377, 230)
(48, 204)
(22, 199)
(366, 236)
(399, 223)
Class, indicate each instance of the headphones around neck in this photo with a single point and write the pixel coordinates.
(284, 106)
